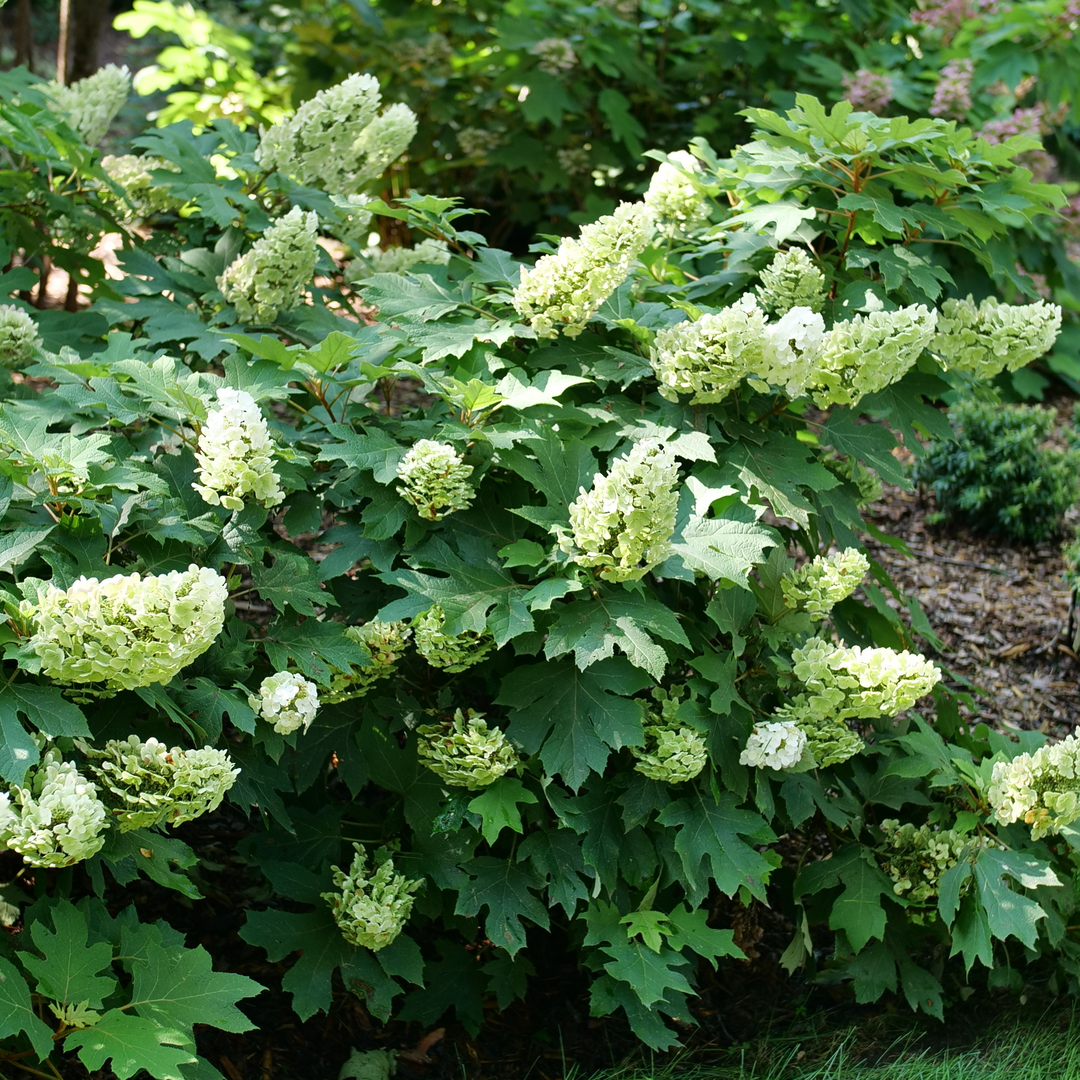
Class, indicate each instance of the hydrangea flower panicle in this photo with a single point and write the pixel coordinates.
(19, 337)
(435, 479)
(287, 700)
(465, 752)
(371, 909)
(448, 651)
(91, 104)
(678, 205)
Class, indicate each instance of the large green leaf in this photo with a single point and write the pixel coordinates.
(72, 969)
(507, 891)
(133, 1043)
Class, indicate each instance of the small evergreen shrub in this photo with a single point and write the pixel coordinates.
(999, 477)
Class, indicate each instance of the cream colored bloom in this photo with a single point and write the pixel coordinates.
(465, 752)
(384, 642)
(91, 104)
(435, 479)
(1041, 789)
(447, 651)
(678, 205)
(371, 909)
(774, 746)
(287, 700)
(673, 752)
(818, 586)
(791, 280)
(18, 336)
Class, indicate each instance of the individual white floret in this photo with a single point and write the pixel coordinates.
(791, 280)
(371, 910)
(91, 104)
(287, 700)
(435, 479)
(678, 204)
(18, 336)
(449, 652)
(564, 290)
(818, 586)
(774, 746)
(465, 752)
(57, 819)
(274, 274)
(1041, 789)
(623, 525)
(146, 783)
(128, 630)
(236, 454)
(869, 352)
(989, 338)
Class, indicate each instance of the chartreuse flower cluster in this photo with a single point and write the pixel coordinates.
(465, 752)
(451, 652)
(397, 260)
(677, 203)
(988, 338)
(916, 857)
(623, 525)
(142, 194)
(1040, 789)
(92, 103)
(384, 642)
(842, 684)
(774, 745)
(18, 336)
(337, 141)
(791, 280)
(818, 586)
(236, 454)
(371, 910)
(563, 291)
(287, 700)
(128, 630)
(273, 275)
(57, 819)
(147, 783)
(435, 479)
(673, 751)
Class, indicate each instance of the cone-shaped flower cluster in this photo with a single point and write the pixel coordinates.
(236, 454)
(128, 630)
(624, 523)
(777, 745)
(1040, 789)
(18, 336)
(273, 275)
(143, 196)
(791, 280)
(818, 586)
(287, 700)
(447, 651)
(988, 338)
(337, 141)
(92, 103)
(371, 910)
(384, 642)
(57, 819)
(673, 751)
(435, 479)
(677, 203)
(564, 290)
(146, 783)
(915, 858)
(465, 752)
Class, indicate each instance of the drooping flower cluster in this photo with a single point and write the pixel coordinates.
(144, 197)
(1040, 789)
(478, 142)
(677, 203)
(777, 745)
(870, 352)
(465, 752)
(236, 454)
(447, 651)
(673, 751)
(989, 338)
(916, 858)
(384, 642)
(128, 630)
(623, 525)
(287, 700)
(147, 783)
(790, 281)
(952, 95)
(818, 586)
(92, 103)
(565, 289)
(336, 141)
(556, 55)
(435, 479)
(868, 91)
(271, 277)
(56, 819)
(371, 910)
(18, 336)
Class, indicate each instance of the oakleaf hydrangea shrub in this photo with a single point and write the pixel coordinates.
(999, 475)
(578, 631)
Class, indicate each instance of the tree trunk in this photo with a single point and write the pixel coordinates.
(88, 20)
(62, 43)
(24, 36)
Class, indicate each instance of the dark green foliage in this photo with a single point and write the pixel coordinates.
(999, 476)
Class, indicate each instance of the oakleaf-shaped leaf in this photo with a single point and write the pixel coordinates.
(71, 971)
(133, 1043)
(17, 1013)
